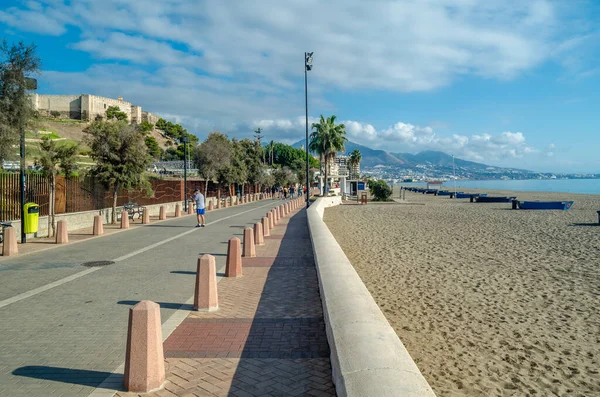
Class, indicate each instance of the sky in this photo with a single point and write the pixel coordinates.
(504, 82)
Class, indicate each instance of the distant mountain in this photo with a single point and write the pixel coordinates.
(372, 158)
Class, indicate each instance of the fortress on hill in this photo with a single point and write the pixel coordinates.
(89, 107)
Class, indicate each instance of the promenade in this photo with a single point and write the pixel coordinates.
(63, 329)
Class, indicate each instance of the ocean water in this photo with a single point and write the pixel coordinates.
(583, 186)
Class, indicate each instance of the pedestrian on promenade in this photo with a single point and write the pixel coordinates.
(273, 191)
(292, 192)
(200, 210)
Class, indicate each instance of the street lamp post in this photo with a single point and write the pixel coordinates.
(185, 141)
(307, 67)
(30, 84)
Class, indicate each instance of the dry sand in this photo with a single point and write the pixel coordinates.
(488, 301)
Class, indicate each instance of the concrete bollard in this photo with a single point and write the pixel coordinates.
(270, 218)
(124, 220)
(144, 357)
(10, 247)
(227, 202)
(281, 212)
(62, 236)
(205, 294)
(266, 226)
(276, 216)
(98, 229)
(259, 237)
(249, 248)
(162, 213)
(218, 203)
(233, 265)
(145, 216)
(210, 205)
(177, 210)
(190, 210)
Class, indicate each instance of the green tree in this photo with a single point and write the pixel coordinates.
(211, 156)
(17, 111)
(258, 134)
(326, 140)
(284, 176)
(146, 126)
(236, 172)
(115, 113)
(253, 159)
(355, 158)
(121, 157)
(55, 157)
(380, 189)
(154, 149)
(271, 151)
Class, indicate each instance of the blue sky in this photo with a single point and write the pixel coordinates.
(507, 82)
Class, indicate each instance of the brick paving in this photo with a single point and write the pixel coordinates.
(268, 336)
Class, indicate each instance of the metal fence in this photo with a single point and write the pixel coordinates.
(85, 194)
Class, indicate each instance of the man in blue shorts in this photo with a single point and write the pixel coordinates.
(200, 210)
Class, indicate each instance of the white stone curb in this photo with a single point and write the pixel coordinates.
(367, 357)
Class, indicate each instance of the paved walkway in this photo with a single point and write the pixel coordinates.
(63, 326)
(268, 337)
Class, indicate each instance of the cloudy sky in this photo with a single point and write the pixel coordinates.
(506, 82)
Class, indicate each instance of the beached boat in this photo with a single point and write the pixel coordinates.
(545, 205)
(462, 195)
(444, 193)
(494, 199)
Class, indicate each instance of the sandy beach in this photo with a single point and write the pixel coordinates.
(489, 301)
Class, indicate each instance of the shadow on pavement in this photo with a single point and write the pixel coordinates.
(65, 375)
(193, 273)
(585, 224)
(163, 305)
(287, 345)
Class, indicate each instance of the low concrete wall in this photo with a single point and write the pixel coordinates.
(367, 357)
(85, 219)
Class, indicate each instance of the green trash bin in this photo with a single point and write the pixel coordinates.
(32, 213)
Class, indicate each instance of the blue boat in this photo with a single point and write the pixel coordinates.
(494, 199)
(463, 195)
(546, 205)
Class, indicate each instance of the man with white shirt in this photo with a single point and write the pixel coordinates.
(200, 210)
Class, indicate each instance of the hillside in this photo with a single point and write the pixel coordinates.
(72, 131)
(372, 158)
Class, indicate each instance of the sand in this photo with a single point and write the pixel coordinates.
(489, 301)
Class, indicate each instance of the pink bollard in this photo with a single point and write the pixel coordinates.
(177, 210)
(227, 202)
(124, 220)
(162, 214)
(62, 236)
(145, 216)
(210, 205)
(266, 226)
(190, 210)
(144, 357)
(98, 229)
(218, 203)
(249, 248)
(270, 217)
(205, 295)
(10, 247)
(259, 237)
(233, 265)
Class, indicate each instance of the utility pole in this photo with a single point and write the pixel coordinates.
(185, 141)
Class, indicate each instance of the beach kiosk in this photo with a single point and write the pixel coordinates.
(434, 185)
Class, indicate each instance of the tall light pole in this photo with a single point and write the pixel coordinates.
(30, 84)
(185, 141)
(307, 67)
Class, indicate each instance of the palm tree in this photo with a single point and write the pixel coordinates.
(271, 150)
(327, 139)
(355, 158)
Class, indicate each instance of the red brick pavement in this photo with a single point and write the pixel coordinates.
(268, 336)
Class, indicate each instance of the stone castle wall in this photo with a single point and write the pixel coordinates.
(88, 107)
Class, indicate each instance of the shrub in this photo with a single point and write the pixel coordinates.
(381, 191)
(55, 114)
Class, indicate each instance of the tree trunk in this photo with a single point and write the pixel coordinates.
(325, 181)
(205, 189)
(52, 207)
(114, 207)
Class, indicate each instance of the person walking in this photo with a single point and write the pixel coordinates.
(200, 210)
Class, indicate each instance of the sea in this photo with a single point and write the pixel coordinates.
(582, 186)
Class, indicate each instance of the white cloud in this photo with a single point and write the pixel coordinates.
(404, 137)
